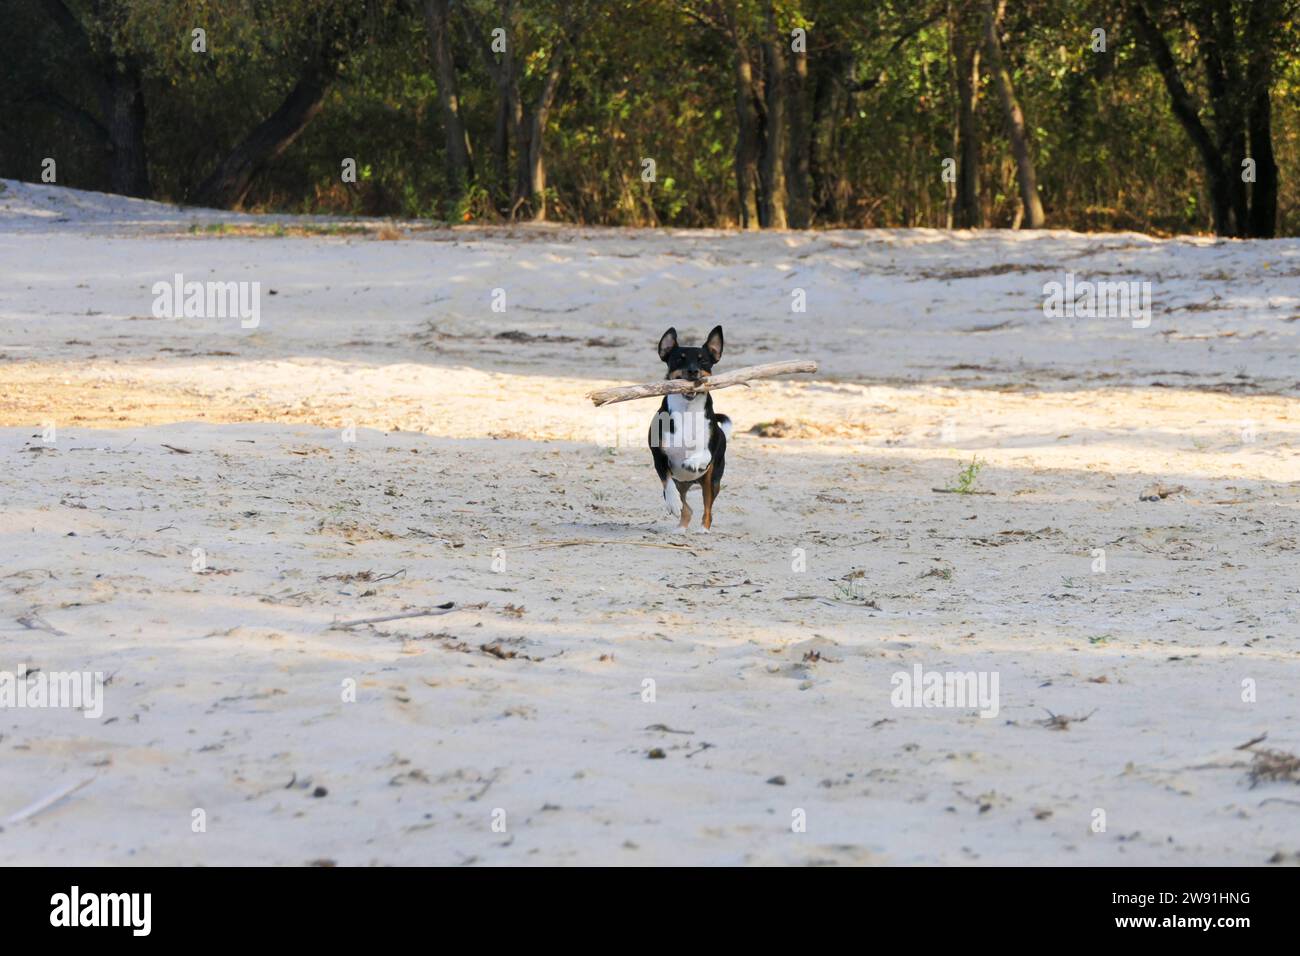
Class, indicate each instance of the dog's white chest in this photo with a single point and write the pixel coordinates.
(686, 445)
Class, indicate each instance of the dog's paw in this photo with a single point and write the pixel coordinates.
(673, 501)
(697, 462)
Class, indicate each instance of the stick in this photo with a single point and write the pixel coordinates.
(677, 386)
(598, 541)
(34, 622)
(431, 612)
(45, 802)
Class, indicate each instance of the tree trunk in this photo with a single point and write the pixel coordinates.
(772, 167)
(1184, 109)
(746, 139)
(532, 164)
(798, 168)
(509, 114)
(124, 112)
(822, 166)
(1016, 129)
(460, 167)
(1259, 80)
(228, 184)
(967, 213)
(507, 119)
(1216, 43)
(115, 79)
(523, 128)
(1263, 194)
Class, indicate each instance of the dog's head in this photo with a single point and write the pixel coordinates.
(692, 364)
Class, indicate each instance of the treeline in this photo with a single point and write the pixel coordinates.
(1158, 115)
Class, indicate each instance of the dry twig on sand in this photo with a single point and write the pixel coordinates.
(678, 386)
(429, 612)
(1062, 722)
(1273, 765)
(34, 622)
(600, 542)
(45, 802)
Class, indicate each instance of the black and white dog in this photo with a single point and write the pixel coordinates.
(688, 441)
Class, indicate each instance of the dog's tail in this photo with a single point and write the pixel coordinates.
(725, 424)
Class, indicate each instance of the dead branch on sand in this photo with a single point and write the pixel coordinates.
(677, 386)
(34, 622)
(600, 542)
(45, 802)
(430, 612)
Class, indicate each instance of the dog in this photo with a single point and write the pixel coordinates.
(688, 440)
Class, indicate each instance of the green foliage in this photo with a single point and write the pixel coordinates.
(967, 477)
(644, 79)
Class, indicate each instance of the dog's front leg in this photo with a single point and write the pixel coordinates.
(675, 498)
(686, 509)
(672, 498)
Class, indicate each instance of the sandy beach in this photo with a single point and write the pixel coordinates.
(196, 509)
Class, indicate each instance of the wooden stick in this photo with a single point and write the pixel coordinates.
(677, 386)
(45, 802)
(430, 612)
(34, 622)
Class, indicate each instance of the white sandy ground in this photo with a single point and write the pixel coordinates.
(226, 685)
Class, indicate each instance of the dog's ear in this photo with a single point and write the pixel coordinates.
(667, 344)
(714, 343)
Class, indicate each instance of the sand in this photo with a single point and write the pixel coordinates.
(384, 442)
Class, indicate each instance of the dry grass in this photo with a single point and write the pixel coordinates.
(1272, 766)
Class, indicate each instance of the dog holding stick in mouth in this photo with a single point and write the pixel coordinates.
(688, 440)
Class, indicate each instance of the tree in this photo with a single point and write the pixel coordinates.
(532, 188)
(460, 164)
(331, 32)
(799, 152)
(965, 54)
(1156, 115)
(99, 42)
(228, 184)
(775, 130)
(1031, 205)
(1238, 81)
(500, 65)
(551, 34)
(748, 136)
(769, 111)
